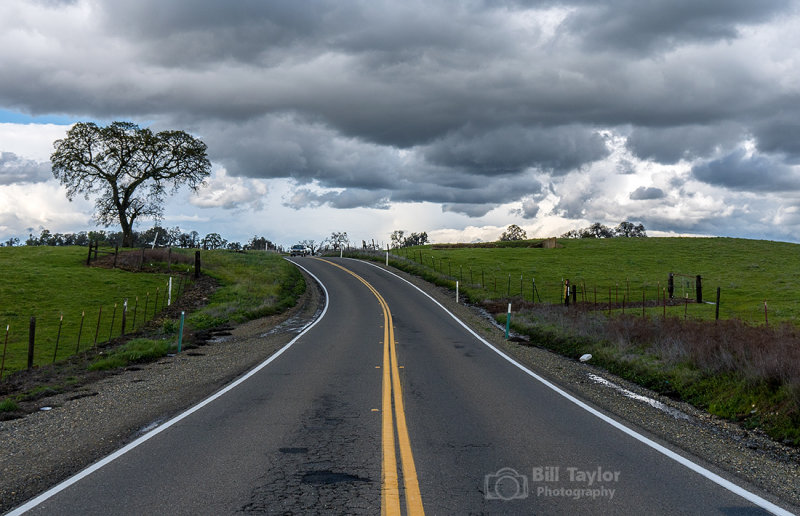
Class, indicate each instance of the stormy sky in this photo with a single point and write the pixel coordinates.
(456, 118)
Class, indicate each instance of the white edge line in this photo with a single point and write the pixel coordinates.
(730, 486)
(149, 435)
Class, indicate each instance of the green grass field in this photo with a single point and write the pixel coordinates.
(738, 369)
(48, 282)
(748, 272)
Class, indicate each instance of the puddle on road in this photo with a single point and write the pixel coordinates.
(677, 414)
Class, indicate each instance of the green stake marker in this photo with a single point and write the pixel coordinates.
(180, 334)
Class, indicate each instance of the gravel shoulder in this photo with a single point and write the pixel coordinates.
(84, 425)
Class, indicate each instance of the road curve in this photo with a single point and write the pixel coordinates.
(307, 432)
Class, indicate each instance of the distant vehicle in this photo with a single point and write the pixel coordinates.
(299, 250)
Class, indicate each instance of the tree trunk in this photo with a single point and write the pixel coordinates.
(127, 231)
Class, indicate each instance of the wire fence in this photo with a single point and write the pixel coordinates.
(47, 339)
(681, 295)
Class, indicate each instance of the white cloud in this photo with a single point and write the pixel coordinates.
(231, 193)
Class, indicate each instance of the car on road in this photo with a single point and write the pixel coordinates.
(299, 250)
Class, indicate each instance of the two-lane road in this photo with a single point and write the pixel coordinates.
(388, 403)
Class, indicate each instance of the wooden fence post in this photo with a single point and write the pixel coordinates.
(196, 264)
(31, 341)
(671, 285)
(699, 288)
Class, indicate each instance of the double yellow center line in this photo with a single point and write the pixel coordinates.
(392, 392)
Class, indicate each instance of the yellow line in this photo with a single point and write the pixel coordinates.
(390, 499)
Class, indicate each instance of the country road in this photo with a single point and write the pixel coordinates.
(390, 404)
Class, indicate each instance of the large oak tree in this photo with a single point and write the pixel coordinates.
(128, 168)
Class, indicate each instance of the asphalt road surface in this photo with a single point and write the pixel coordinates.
(389, 404)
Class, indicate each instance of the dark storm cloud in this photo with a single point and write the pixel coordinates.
(671, 144)
(470, 105)
(647, 193)
(15, 169)
(757, 173)
(643, 26)
(781, 133)
(511, 149)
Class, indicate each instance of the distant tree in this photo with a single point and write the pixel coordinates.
(98, 236)
(234, 246)
(11, 242)
(630, 230)
(82, 238)
(258, 243)
(597, 230)
(155, 235)
(173, 236)
(415, 239)
(339, 239)
(513, 232)
(311, 244)
(213, 241)
(129, 169)
(397, 237)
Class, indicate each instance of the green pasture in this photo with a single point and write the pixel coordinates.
(748, 272)
(50, 282)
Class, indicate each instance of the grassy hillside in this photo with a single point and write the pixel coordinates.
(739, 368)
(747, 271)
(48, 282)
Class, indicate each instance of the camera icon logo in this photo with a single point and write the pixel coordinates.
(506, 484)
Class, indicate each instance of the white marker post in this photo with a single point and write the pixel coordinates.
(169, 294)
(456, 291)
(508, 320)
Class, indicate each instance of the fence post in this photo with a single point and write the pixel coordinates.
(31, 341)
(671, 285)
(116, 253)
(89, 258)
(196, 264)
(456, 291)
(113, 317)
(97, 330)
(58, 337)
(5, 344)
(699, 288)
(80, 331)
(124, 317)
(716, 316)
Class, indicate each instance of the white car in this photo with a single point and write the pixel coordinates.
(299, 250)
